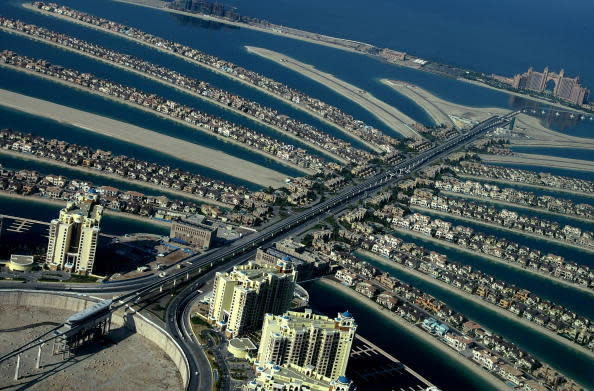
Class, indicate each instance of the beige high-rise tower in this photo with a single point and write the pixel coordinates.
(307, 340)
(73, 236)
(241, 297)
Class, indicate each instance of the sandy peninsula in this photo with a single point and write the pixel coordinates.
(417, 332)
(208, 67)
(416, 94)
(87, 170)
(477, 300)
(491, 258)
(389, 115)
(181, 89)
(516, 205)
(167, 117)
(541, 160)
(162, 6)
(528, 131)
(500, 227)
(171, 146)
(527, 185)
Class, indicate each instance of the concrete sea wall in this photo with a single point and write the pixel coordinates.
(133, 321)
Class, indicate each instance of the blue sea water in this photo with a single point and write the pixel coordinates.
(573, 299)
(110, 224)
(49, 129)
(570, 153)
(504, 37)
(565, 359)
(570, 253)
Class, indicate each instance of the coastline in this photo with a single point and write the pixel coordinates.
(529, 185)
(389, 115)
(346, 49)
(205, 66)
(171, 146)
(500, 227)
(85, 170)
(62, 203)
(410, 91)
(518, 205)
(494, 259)
(540, 160)
(449, 352)
(167, 117)
(477, 300)
(183, 90)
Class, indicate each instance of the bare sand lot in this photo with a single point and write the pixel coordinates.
(392, 117)
(437, 107)
(123, 361)
(172, 146)
(528, 131)
(417, 95)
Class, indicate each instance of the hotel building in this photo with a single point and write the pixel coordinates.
(270, 377)
(242, 297)
(307, 340)
(73, 236)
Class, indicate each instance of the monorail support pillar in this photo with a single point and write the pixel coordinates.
(18, 366)
(38, 362)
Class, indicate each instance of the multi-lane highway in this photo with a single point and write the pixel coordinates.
(225, 257)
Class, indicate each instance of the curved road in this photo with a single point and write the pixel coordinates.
(177, 316)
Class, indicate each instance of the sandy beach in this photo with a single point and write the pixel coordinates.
(417, 332)
(389, 115)
(491, 258)
(61, 203)
(500, 227)
(527, 185)
(535, 134)
(156, 141)
(442, 108)
(205, 66)
(477, 300)
(184, 90)
(415, 94)
(86, 170)
(516, 205)
(160, 5)
(529, 159)
(528, 131)
(169, 118)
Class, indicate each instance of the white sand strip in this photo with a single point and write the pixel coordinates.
(392, 117)
(171, 146)
(205, 66)
(416, 94)
(184, 90)
(541, 160)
